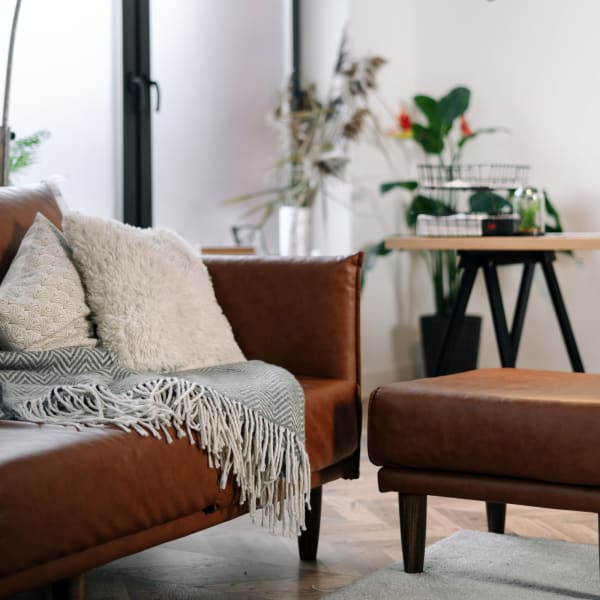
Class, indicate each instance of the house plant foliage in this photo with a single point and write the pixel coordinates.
(441, 131)
(442, 141)
(24, 152)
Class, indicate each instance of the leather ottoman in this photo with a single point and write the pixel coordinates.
(500, 435)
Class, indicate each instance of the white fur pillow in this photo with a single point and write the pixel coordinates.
(42, 301)
(151, 296)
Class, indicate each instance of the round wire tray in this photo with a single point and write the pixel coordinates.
(488, 176)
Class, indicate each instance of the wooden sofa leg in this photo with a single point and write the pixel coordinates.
(308, 541)
(496, 516)
(72, 588)
(413, 525)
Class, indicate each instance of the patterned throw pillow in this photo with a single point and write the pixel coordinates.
(151, 296)
(42, 301)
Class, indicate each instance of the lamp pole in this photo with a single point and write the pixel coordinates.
(5, 133)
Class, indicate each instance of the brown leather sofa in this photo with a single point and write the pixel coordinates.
(71, 500)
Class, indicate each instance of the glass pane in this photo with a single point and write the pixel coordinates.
(66, 81)
(220, 64)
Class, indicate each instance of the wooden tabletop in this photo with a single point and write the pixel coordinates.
(550, 241)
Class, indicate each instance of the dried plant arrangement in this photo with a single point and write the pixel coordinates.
(315, 135)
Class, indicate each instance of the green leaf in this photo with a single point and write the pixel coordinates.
(429, 107)
(23, 151)
(488, 202)
(372, 253)
(556, 225)
(431, 140)
(424, 205)
(445, 278)
(411, 186)
(454, 104)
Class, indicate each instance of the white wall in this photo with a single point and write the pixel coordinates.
(65, 76)
(532, 67)
(322, 28)
(220, 64)
(389, 307)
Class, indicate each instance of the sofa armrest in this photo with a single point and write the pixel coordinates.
(299, 313)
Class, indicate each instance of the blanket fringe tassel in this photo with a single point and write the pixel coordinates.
(268, 461)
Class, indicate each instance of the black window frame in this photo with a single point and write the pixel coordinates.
(137, 108)
(137, 122)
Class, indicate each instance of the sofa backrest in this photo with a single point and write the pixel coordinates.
(300, 313)
(18, 207)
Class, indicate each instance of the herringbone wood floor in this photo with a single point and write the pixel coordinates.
(359, 534)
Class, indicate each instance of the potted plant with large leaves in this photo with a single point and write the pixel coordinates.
(442, 143)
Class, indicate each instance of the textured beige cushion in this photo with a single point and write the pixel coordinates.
(42, 302)
(151, 296)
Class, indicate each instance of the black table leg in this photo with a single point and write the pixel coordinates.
(561, 312)
(521, 307)
(458, 315)
(508, 344)
(508, 341)
(505, 348)
(496, 516)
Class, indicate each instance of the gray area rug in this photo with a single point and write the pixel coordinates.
(473, 565)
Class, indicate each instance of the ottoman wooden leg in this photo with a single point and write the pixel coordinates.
(496, 516)
(413, 524)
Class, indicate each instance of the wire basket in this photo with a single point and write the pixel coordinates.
(473, 176)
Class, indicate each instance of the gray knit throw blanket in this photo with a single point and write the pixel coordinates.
(249, 416)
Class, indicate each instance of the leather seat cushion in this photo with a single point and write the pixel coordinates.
(63, 490)
(518, 423)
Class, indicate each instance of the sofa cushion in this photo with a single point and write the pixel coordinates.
(520, 423)
(151, 296)
(42, 302)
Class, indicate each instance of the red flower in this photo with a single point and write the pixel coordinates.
(464, 127)
(404, 121)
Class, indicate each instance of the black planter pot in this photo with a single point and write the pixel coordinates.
(466, 351)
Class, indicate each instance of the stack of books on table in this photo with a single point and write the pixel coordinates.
(467, 224)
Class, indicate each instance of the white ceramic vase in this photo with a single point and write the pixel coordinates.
(295, 230)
